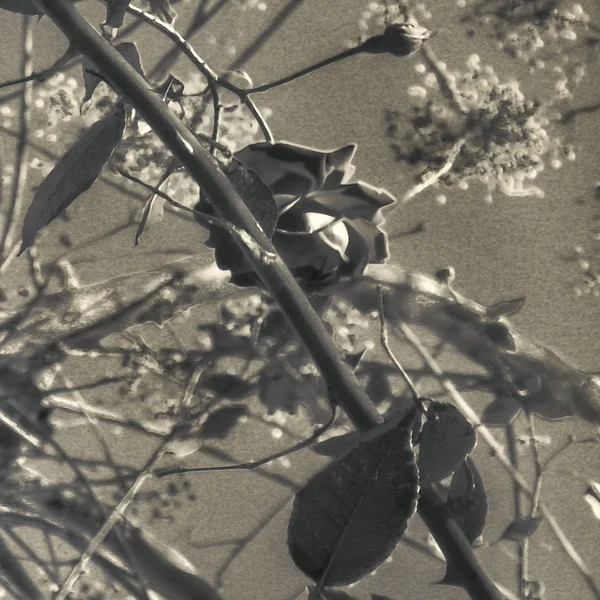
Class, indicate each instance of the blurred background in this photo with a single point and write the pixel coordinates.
(511, 247)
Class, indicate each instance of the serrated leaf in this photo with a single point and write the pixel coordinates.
(446, 440)
(128, 50)
(115, 12)
(504, 309)
(467, 500)
(521, 528)
(349, 517)
(227, 386)
(222, 421)
(73, 174)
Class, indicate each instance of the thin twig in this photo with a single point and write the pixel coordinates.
(433, 177)
(253, 464)
(41, 76)
(236, 232)
(383, 336)
(112, 520)
(302, 72)
(211, 77)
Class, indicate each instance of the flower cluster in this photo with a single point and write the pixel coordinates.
(325, 228)
(481, 129)
(386, 28)
(587, 257)
(539, 33)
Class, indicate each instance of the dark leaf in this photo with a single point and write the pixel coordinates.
(502, 411)
(504, 309)
(171, 89)
(340, 444)
(74, 174)
(349, 517)
(256, 195)
(379, 597)
(521, 529)
(327, 594)
(227, 386)
(222, 421)
(451, 577)
(500, 335)
(446, 440)
(354, 359)
(128, 50)
(467, 500)
(115, 12)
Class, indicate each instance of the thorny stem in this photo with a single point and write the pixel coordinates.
(213, 79)
(339, 376)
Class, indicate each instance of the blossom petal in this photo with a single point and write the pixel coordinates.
(336, 236)
(285, 168)
(338, 167)
(375, 239)
(353, 201)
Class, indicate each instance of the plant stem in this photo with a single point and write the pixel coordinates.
(284, 289)
(324, 63)
(205, 171)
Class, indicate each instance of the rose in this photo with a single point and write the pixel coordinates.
(398, 39)
(326, 228)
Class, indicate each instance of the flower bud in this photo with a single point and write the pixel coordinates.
(398, 39)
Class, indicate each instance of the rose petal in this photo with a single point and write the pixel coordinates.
(375, 240)
(338, 167)
(353, 201)
(336, 237)
(316, 221)
(357, 253)
(285, 168)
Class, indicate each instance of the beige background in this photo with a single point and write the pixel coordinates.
(512, 248)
